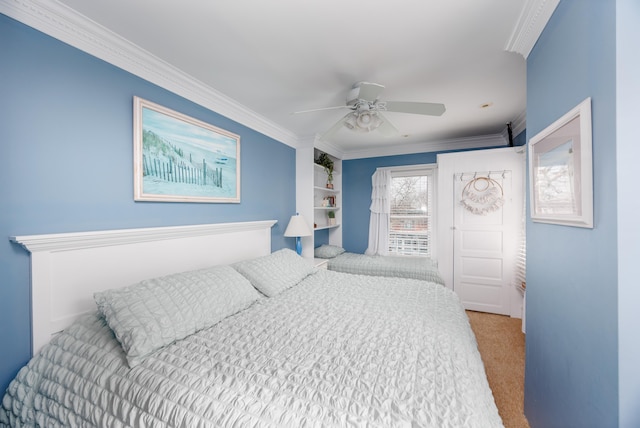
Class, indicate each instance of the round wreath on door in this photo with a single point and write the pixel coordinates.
(482, 195)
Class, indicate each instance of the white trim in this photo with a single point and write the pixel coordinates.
(410, 168)
(80, 240)
(430, 170)
(533, 18)
(327, 147)
(480, 142)
(65, 24)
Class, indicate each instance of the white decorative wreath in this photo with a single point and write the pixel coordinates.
(482, 195)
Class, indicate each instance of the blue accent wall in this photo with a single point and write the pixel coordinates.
(520, 139)
(356, 194)
(572, 319)
(320, 237)
(356, 191)
(66, 127)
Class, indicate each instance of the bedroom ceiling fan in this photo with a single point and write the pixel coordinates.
(366, 108)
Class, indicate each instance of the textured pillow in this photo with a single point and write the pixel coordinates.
(155, 312)
(276, 272)
(328, 251)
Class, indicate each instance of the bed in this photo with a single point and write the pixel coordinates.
(339, 260)
(264, 340)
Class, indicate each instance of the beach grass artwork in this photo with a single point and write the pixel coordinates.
(180, 159)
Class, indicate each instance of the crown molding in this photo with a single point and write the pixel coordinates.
(533, 18)
(328, 147)
(519, 124)
(480, 142)
(63, 23)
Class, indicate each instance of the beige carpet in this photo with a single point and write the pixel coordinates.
(501, 344)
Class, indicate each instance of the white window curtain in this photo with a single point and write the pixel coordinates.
(380, 209)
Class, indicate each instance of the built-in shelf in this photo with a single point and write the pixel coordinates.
(323, 196)
(327, 227)
(325, 189)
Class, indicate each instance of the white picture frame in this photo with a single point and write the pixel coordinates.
(560, 170)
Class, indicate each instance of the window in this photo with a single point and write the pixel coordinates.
(411, 221)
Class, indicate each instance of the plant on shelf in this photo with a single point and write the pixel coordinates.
(327, 163)
(332, 217)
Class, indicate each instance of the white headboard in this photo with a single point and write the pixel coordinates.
(67, 268)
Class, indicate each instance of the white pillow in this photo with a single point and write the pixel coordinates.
(328, 251)
(156, 312)
(276, 272)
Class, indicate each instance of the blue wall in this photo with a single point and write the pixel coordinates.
(320, 237)
(356, 187)
(356, 194)
(66, 151)
(572, 367)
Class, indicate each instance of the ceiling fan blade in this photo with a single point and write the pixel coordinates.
(335, 128)
(386, 128)
(431, 109)
(321, 109)
(368, 91)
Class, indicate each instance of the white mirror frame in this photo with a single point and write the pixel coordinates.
(560, 170)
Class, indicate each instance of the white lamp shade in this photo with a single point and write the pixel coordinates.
(297, 227)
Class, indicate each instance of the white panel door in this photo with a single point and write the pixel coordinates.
(477, 254)
(483, 253)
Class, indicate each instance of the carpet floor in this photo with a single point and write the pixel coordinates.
(501, 345)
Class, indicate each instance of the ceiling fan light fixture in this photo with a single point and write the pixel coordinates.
(351, 122)
(367, 111)
(365, 121)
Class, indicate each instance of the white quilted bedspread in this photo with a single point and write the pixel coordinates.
(335, 350)
(394, 266)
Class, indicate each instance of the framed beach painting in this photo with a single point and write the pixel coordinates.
(181, 159)
(560, 170)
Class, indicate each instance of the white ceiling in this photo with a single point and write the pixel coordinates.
(277, 57)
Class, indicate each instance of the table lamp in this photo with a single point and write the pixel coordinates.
(297, 228)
